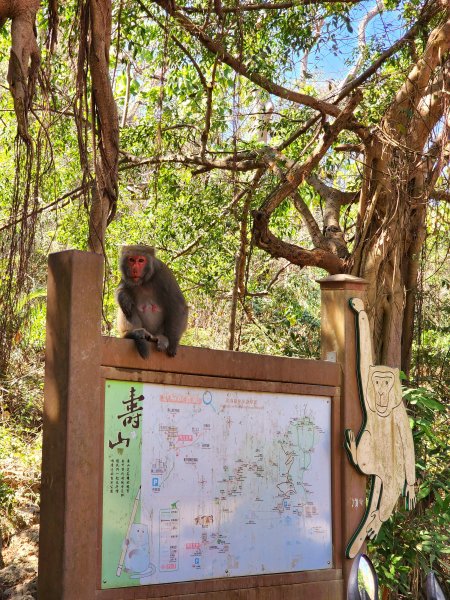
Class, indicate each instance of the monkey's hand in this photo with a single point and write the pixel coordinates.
(410, 496)
(350, 446)
(126, 304)
(162, 343)
(140, 336)
(356, 304)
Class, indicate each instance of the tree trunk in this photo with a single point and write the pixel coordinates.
(24, 57)
(399, 178)
(104, 198)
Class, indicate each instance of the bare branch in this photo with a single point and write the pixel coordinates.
(334, 200)
(208, 113)
(298, 132)
(379, 6)
(441, 195)
(243, 162)
(311, 224)
(330, 193)
(302, 257)
(68, 197)
(274, 159)
(430, 108)
(349, 148)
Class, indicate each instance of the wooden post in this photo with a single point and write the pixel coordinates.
(338, 340)
(72, 409)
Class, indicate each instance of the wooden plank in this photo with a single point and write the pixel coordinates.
(336, 491)
(275, 586)
(339, 338)
(238, 365)
(217, 382)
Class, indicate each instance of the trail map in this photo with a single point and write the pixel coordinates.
(205, 483)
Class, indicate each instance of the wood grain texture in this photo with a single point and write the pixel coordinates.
(339, 340)
(72, 428)
(203, 361)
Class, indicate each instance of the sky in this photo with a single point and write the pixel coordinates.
(326, 66)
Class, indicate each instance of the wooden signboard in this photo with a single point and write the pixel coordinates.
(212, 475)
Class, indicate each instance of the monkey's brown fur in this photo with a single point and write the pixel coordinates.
(153, 307)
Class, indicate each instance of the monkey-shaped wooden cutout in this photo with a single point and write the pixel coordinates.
(383, 448)
(151, 304)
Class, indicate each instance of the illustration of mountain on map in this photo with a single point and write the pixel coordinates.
(207, 483)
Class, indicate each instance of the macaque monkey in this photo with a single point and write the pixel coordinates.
(151, 304)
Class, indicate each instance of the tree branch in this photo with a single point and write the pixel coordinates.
(330, 193)
(427, 14)
(334, 200)
(430, 108)
(300, 171)
(441, 195)
(311, 224)
(262, 6)
(362, 41)
(273, 160)
(69, 196)
(408, 97)
(302, 257)
(244, 162)
(237, 65)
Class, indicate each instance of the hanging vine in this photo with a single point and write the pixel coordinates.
(96, 114)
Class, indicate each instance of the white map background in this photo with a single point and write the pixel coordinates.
(233, 483)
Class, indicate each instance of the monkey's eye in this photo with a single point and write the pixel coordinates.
(141, 260)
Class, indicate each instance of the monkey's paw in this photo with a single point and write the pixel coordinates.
(162, 343)
(410, 497)
(140, 334)
(374, 527)
(357, 304)
(350, 445)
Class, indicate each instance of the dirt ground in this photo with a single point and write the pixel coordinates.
(18, 578)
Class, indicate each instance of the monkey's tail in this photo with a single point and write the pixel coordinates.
(142, 346)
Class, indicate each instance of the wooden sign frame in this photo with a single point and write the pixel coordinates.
(78, 361)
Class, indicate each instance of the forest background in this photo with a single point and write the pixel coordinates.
(257, 146)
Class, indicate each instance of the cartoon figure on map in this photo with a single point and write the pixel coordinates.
(383, 448)
(135, 549)
(137, 557)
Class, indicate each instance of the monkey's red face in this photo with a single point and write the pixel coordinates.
(136, 266)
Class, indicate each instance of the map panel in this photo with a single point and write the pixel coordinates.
(218, 483)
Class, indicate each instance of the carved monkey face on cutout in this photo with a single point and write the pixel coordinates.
(383, 390)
